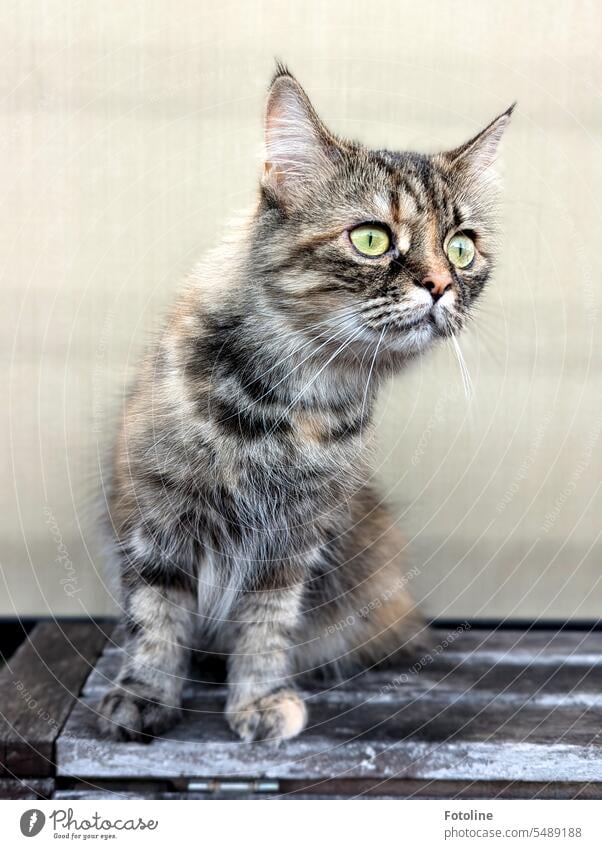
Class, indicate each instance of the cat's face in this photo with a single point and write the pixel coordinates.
(371, 245)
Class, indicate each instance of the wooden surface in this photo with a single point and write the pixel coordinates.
(503, 706)
(38, 686)
(347, 788)
(26, 788)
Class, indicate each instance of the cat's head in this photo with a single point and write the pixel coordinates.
(371, 244)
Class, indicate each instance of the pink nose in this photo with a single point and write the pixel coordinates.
(437, 283)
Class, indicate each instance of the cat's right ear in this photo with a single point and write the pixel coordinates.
(299, 150)
(475, 158)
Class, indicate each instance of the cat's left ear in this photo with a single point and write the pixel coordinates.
(478, 154)
(299, 150)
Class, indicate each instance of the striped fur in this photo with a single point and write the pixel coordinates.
(240, 505)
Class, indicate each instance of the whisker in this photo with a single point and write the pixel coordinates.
(466, 379)
(315, 377)
(380, 339)
(347, 313)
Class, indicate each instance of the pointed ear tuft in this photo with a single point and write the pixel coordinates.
(281, 71)
(298, 147)
(478, 154)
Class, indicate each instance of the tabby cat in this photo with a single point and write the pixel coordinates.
(240, 505)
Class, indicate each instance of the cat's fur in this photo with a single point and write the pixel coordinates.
(240, 503)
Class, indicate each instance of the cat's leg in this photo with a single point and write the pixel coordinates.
(262, 703)
(361, 613)
(147, 695)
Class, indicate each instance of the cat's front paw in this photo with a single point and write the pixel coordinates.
(125, 716)
(276, 717)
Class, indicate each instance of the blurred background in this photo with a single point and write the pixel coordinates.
(129, 135)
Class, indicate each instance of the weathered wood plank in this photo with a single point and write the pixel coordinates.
(538, 643)
(38, 686)
(314, 757)
(571, 679)
(488, 706)
(546, 685)
(470, 653)
(356, 789)
(532, 646)
(439, 732)
(26, 788)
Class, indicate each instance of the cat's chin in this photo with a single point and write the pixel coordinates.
(415, 338)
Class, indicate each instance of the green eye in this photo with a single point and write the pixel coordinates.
(460, 250)
(370, 240)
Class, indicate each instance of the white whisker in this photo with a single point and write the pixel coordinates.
(382, 333)
(466, 379)
(313, 379)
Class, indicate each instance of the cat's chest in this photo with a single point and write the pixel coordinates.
(332, 436)
(298, 477)
(219, 589)
(312, 448)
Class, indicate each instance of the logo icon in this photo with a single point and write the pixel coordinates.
(32, 822)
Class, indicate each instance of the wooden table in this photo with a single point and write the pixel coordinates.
(490, 713)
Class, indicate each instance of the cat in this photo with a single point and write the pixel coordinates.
(240, 504)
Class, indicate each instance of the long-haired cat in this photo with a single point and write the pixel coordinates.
(239, 504)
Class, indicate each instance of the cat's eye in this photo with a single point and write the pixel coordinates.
(370, 239)
(460, 250)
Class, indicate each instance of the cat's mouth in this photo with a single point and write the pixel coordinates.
(442, 320)
(412, 327)
(423, 321)
(413, 333)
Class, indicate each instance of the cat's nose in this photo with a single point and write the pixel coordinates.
(437, 283)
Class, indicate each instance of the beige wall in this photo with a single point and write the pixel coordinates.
(130, 131)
